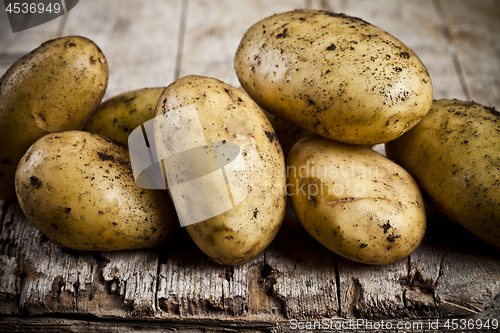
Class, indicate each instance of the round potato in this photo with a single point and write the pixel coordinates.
(354, 201)
(335, 75)
(454, 155)
(78, 189)
(117, 117)
(226, 167)
(54, 88)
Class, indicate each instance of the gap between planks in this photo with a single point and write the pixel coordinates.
(451, 48)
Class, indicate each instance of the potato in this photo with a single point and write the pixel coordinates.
(119, 115)
(354, 201)
(335, 75)
(54, 88)
(217, 115)
(78, 189)
(454, 155)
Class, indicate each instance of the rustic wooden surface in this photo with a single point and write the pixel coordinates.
(44, 287)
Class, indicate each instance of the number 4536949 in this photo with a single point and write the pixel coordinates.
(25, 8)
(463, 324)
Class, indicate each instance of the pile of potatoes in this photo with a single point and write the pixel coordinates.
(318, 90)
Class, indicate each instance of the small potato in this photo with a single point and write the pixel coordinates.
(251, 184)
(54, 88)
(334, 75)
(117, 117)
(454, 155)
(78, 189)
(354, 201)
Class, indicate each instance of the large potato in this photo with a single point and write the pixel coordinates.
(354, 201)
(54, 88)
(78, 189)
(335, 75)
(117, 117)
(454, 155)
(215, 114)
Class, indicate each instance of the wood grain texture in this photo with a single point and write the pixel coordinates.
(300, 273)
(474, 28)
(190, 285)
(139, 41)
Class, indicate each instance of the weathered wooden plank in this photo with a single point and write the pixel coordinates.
(8, 284)
(300, 273)
(418, 25)
(372, 292)
(49, 278)
(468, 275)
(192, 286)
(132, 275)
(424, 271)
(214, 30)
(138, 40)
(90, 325)
(474, 28)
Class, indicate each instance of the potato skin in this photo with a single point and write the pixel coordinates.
(354, 201)
(78, 189)
(54, 88)
(454, 155)
(121, 114)
(241, 233)
(335, 75)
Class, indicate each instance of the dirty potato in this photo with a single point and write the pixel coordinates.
(354, 201)
(227, 176)
(78, 189)
(454, 155)
(54, 88)
(117, 117)
(335, 75)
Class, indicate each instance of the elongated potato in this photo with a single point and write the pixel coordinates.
(354, 201)
(230, 197)
(117, 117)
(54, 88)
(335, 75)
(454, 155)
(78, 189)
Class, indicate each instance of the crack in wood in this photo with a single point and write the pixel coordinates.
(337, 283)
(4, 205)
(451, 48)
